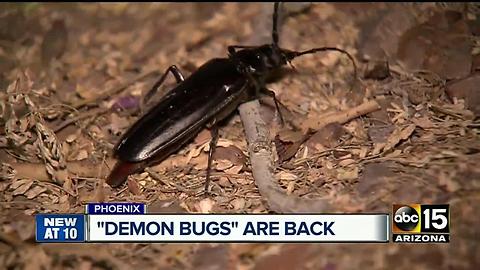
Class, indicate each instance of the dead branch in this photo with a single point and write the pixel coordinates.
(343, 117)
(260, 151)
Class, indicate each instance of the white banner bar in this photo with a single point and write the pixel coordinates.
(238, 228)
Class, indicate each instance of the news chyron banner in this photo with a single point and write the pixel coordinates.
(130, 222)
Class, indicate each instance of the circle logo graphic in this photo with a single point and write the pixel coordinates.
(406, 218)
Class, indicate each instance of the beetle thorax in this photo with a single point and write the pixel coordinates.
(261, 60)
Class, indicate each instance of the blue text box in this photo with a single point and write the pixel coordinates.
(116, 208)
(60, 228)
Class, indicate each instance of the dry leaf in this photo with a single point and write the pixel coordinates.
(172, 161)
(395, 153)
(346, 162)
(363, 152)
(238, 203)
(86, 92)
(118, 124)
(286, 149)
(18, 183)
(224, 182)
(71, 138)
(133, 187)
(448, 182)
(285, 176)
(234, 169)
(231, 153)
(290, 187)
(222, 165)
(397, 135)
(287, 135)
(205, 205)
(195, 152)
(343, 174)
(81, 155)
(423, 122)
(380, 134)
(34, 192)
(328, 136)
(224, 143)
(377, 148)
(200, 162)
(23, 187)
(54, 42)
(203, 137)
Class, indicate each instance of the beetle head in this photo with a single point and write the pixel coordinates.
(262, 59)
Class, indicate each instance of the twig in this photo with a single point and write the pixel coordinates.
(260, 152)
(343, 117)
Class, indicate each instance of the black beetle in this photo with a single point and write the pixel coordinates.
(209, 95)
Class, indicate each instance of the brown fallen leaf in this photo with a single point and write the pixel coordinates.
(346, 162)
(397, 135)
(166, 207)
(224, 182)
(286, 176)
(17, 18)
(21, 186)
(440, 45)
(380, 134)
(347, 174)
(133, 186)
(81, 155)
(380, 34)
(238, 203)
(466, 89)
(286, 149)
(232, 154)
(372, 178)
(118, 124)
(380, 71)
(54, 42)
(205, 205)
(448, 182)
(213, 258)
(328, 136)
(288, 135)
(290, 187)
(283, 257)
(34, 192)
(203, 137)
(223, 164)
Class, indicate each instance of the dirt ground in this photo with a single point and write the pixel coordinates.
(72, 77)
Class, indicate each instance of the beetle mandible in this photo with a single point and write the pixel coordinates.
(210, 94)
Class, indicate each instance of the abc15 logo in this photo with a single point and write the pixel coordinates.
(421, 218)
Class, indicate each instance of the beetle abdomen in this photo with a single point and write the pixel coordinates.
(184, 110)
(121, 171)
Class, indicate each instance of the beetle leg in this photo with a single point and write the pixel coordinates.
(211, 151)
(272, 94)
(176, 73)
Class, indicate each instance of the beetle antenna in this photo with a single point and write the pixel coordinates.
(275, 24)
(290, 55)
